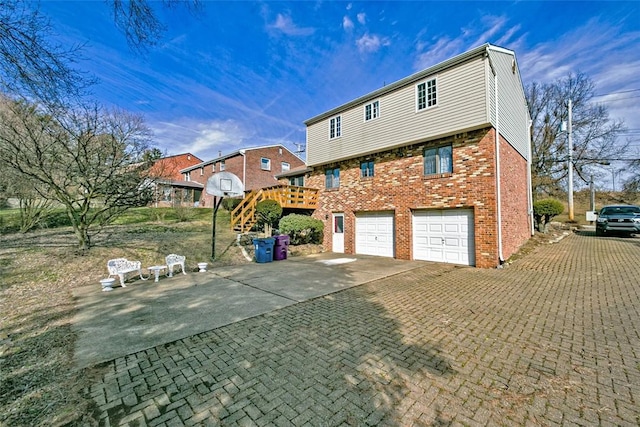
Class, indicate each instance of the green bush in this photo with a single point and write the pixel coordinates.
(55, 219)
(302, 229)
(268, 213)
(544, 210)
(230, 204)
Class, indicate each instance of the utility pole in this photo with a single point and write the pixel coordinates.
(570, 167)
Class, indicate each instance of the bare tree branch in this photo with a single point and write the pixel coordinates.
(595, 135)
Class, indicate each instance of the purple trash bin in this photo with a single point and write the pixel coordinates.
(281, 247)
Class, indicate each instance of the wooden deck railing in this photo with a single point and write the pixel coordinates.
(243, 217)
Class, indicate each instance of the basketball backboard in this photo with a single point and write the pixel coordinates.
(224, 184)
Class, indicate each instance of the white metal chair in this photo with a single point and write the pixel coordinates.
(172, 260)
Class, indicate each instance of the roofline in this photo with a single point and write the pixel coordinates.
(188, 184)
(294, 172)
(232, 154)
(451, 62)
(178, 155)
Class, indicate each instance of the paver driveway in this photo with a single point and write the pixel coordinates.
(552, 339)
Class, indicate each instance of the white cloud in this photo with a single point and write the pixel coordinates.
(286, 25)
(362, 18)
(371, 43)
(204, 139)
(347, 23)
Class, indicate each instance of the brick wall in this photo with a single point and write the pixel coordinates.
(399, 185)
(516, 220)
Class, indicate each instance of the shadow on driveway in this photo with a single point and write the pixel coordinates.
(146, 314)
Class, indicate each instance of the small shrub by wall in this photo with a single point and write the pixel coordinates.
(302, 229)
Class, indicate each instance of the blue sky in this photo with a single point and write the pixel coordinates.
(241, 74)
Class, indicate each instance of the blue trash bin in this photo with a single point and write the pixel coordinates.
(264, 249)
(281, 247)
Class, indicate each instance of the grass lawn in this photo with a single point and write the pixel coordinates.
(38, 272)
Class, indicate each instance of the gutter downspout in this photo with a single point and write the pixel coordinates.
(244, 167)
(498, 191)
(530, 189)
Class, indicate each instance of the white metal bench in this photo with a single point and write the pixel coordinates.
(173, 260)
(121, 266)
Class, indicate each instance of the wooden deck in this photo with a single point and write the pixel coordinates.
(243, 217)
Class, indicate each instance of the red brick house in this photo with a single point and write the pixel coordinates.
(171, 189)
(256, 167)
(432, 167)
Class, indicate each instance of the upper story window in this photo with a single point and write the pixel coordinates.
(366, 169)
(265, 164)
(426, 95)
(222, 165)
(213, 167)
(187, 176)
(438, 160)
(372, 111)
(332, 178)
(297, 180)
(202, 171)
(285, 166)
(335, 127)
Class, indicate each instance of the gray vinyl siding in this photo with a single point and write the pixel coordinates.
(462, 105)
(512, 107)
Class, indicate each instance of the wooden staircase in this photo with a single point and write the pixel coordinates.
(243, 217)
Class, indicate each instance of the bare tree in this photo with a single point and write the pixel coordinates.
(89, 160)
(139, 22)
(31, 66)
(595, 135)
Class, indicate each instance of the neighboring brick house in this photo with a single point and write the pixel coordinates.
(415, 170)
(256, 167)
(171, 189)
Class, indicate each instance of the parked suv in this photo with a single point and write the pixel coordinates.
(622, 219)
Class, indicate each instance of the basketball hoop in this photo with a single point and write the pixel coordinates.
(221, 185)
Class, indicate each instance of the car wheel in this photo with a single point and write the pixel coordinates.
(599, 232)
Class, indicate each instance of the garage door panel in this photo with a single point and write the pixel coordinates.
(375, 234)
(444, 236)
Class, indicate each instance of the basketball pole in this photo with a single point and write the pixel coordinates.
(213, 236)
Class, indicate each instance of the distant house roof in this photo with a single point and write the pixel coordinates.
(232, 154)
(300, 170)
(182, 184)
(169, 167)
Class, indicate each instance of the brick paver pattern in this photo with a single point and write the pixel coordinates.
(552, 339)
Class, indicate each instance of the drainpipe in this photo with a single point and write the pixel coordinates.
(244, 168)
(529, 186)
(498, 192)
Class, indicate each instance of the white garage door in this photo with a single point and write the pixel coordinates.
(444, 236)
(374, 233)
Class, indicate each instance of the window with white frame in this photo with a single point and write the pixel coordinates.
(265, 164)
(213, 167)
(426, 95)
(372, 111)
(297, 180)
(335, 127)
(332, 178)
(222, 165)
(285, 166)
(202, 171)
(438, 160)
(187, 176)
(366, 169)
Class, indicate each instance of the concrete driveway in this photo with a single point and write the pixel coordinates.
(146, 314)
